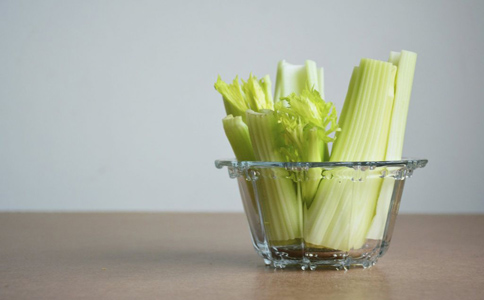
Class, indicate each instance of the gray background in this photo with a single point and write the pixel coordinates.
(109, 105)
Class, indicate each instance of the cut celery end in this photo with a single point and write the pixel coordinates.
(266, 86)
(394, 57)
(257, 93)
(251, 94)
(295, 78)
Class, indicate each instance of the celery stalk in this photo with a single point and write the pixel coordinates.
(378, 224)
(405, 62)
(237, 133)
(280, 202)
(403, 88)
(315, 153)
(293, 81)
(342, 210)
(364, 133)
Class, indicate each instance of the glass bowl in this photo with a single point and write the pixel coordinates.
(321, 215)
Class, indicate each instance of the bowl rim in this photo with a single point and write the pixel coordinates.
(409, 162)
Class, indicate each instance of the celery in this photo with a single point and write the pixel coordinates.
(253, 94)
(251, 130)
(307, 122)
(308, 144)
(279, 200)
(297, 131)
(341, 213)
(349, 206)
(299, 114)
(237, 133)
(238, 98)
(405, 62)
(296, 78)
(364, 132)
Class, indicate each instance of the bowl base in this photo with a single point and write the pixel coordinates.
(294, 256)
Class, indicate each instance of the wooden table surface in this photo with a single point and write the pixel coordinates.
(210, 256)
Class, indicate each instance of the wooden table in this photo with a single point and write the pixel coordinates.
(210, 256)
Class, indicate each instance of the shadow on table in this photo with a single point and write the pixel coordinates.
(230, 269)
(188, 257)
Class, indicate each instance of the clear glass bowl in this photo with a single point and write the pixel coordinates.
(331, 214)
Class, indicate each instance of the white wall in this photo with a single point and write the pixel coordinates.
(109, 105)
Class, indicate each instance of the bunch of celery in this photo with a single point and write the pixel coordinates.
(298, 125)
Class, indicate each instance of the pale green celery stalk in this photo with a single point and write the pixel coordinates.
(307, 121)
(279, 201)
(296, 78)
(237, 133)
(238, 98)
(342, 209)
(403, 89)
(405, 62)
